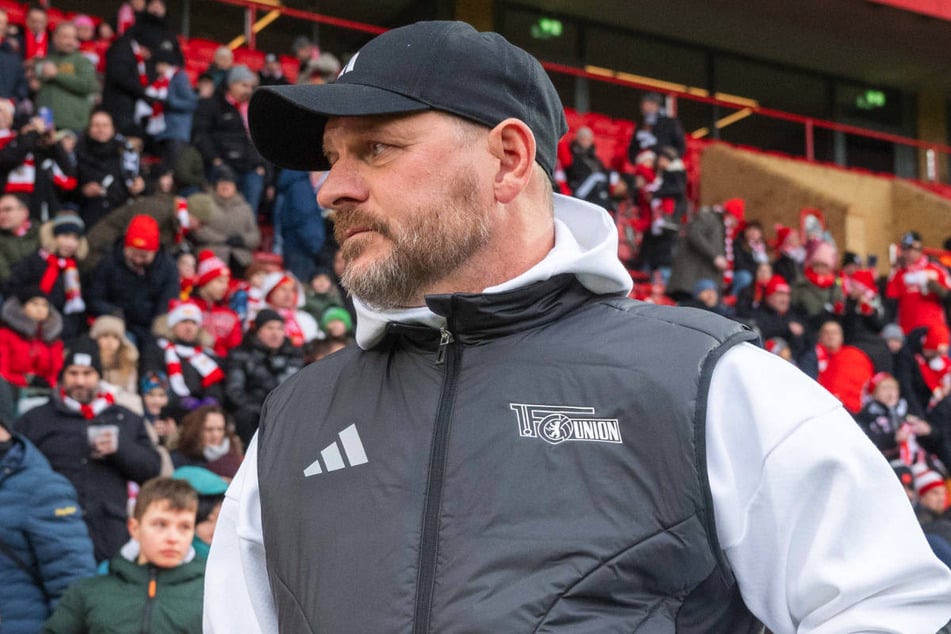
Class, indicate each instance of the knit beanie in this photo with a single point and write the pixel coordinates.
(704, 284)
(777, 284)
(937, 336)
(240, 72)
(736, 207)
(210, 266)
(184, 311)
(892, 331)
(85, 353)
(273, 280)
(335, 313)
(143, 233)
(29, 291)
(107, 325)
(68, 223)
(152, 380)
(926, 478)
(265, 315)
(202, 206)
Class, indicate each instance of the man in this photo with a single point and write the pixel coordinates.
(843, 370)
(220, 133)
(12, 78)
(44, 546)
(136, 280)
(702, 252)
(66, 80)
(127, 75)
(515, 446)
(34, 41)
(775, 318)
(657, 130)
(919, 286)
(18, 236)
(210, 295)
(97, 445)
(272, 73)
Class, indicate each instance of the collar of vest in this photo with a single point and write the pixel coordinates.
(475, 318)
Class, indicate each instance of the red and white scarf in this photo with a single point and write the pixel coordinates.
(158, 89)
(55, 266)
(184, 223)
(292, 329)
(37, 45)
(205, 365)
(101, 403)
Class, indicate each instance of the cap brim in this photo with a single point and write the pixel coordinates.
(287, 122)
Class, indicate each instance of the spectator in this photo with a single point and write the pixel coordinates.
(321, 70)
(221, 63)
(120, 361)
(174, 216)
(587, 176)
(45, 545)
(818, 293)
(33, 164)
(210, 295)
(13, 84)
(155, 584)
(125, 18)
(775, 318)
(263, 360)
(657, 130)
(934, 367)
(108, 169)
(18, 236)
(127, 75)
(135, 281)
(168, 422)
(779, 347)
(336, 323)
(301, 221)
(887, 423)
(232, 233)
(706, 296)
(932, 499)
(5, 41)
(151, 26)
(173, 103)
(863, 316)
(220, 134)
(919, 286)
(97, 445)
(105, 37)
(843, 370)
(183, 351)
(749, 252)
(272, 73)
(669, 191)
(31, 350)
(34, 40)
(54, 269)
(321, 294)
(154, 390)
(751, 297)
(305, 51)
(208, 440)
(211, 489)
(791, 254)
(86, 35)
(66, 80)
(701, 254)
(283, 293)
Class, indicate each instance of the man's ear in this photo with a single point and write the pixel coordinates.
(133, 525)
(513, 145)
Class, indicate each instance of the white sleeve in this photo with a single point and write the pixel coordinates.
(818, 530)
(237, 592)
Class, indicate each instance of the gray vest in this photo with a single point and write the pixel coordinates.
(538, 468)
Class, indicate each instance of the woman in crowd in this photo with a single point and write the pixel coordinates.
(207, 439)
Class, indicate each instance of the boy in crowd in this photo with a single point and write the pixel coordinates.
(155, 583)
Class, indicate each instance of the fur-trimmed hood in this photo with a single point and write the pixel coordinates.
(49, 244)
(160, 329)
(15, 318)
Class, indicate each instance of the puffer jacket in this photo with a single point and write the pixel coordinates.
(42, 526)
(218, 132)
(120, 601)
(29, 349)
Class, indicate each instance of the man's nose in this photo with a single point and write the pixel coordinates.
(345, 184)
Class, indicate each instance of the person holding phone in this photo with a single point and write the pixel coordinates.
(66, 80)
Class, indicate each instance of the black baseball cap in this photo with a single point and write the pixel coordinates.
(911, 239)
(446, 66)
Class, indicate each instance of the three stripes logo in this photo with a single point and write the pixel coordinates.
(331, 457)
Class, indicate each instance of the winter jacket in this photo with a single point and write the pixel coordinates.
(29, 349)
(118, 290)
(41, 171)
(666, 132)
(178, 109)
(12, 78)
(880, 423)
(253, 370)
(121, 85)
(69, 93)
(153, 359)
(218, 131)
(703, 242)
(14, 248)
(222, 323)
(587, 176)
(771, 324)
(845, 373)
(111, 165)
(103, 236)
(301, 220)
(61, 434)
(120, 601)
(233, 219)
(225, 466)
(41, 524)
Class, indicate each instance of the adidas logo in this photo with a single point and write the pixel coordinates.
(332, 458)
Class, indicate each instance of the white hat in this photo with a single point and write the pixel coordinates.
(186, 311)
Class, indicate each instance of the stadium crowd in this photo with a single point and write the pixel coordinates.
(159, 279)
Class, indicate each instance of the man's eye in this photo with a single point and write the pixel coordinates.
(377, 148)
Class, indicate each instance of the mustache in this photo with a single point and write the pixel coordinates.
(346, 219)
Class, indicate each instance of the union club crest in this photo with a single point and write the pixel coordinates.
(556, 424)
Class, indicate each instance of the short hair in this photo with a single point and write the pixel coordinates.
(178, 494)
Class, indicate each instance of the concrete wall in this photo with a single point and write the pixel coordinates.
(864, 213)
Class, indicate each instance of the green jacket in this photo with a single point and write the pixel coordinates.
(14, 248)
(119, 602)
(70, 93)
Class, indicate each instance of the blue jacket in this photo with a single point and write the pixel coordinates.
(42, 525)
(179, 107)
(300, 213)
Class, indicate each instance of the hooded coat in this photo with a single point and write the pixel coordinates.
(29, 349)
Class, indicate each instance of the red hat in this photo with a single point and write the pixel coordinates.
(777, 284)
(782, 232)
(143, 233)
(925, 478)
(210, 267)
(736, 207)
(877, 380)
(937, 335)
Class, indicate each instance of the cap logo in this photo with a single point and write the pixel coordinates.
(349, 67)
(81, 358)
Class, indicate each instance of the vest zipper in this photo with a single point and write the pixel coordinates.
(448, 355)
(151, 591)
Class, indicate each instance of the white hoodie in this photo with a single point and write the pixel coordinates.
(813, 521)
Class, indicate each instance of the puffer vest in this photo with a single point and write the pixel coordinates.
(537, 466)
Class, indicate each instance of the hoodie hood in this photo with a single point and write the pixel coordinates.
(585, 246)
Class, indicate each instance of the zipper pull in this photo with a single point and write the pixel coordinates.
(445, 338)
(153, 583)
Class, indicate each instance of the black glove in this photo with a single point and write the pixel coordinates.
(235, 241)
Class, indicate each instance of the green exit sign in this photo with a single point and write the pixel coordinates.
(870, 100)
(547, 28)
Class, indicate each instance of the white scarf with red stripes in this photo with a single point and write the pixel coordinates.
(55, 266)
(89, 411)
(210, 372)
(158, 89)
